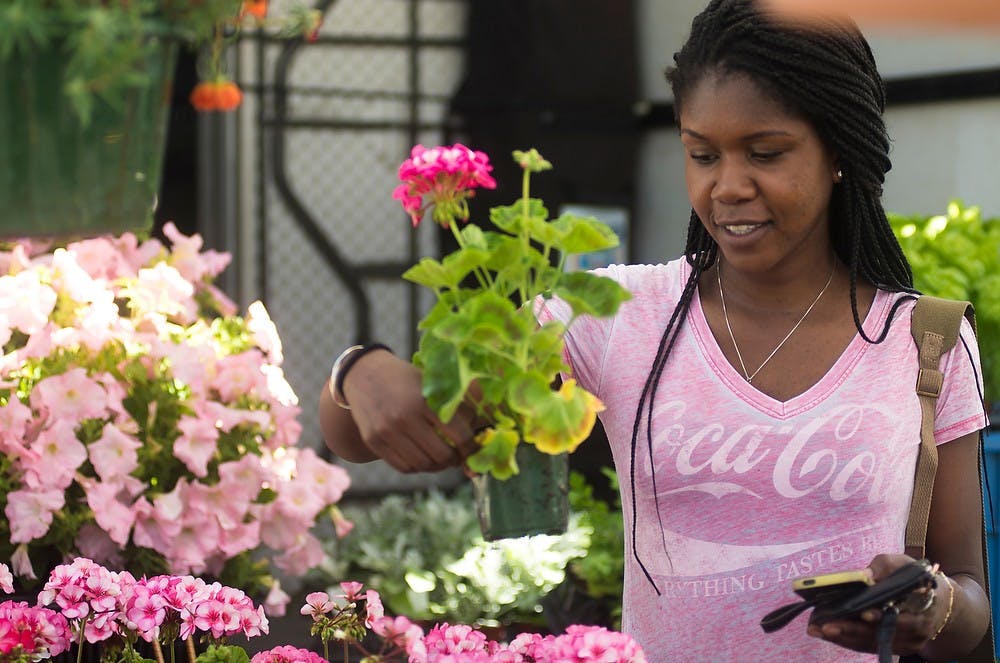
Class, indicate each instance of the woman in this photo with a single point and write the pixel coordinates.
(760, 390)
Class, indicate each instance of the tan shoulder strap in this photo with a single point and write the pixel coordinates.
(935, 327)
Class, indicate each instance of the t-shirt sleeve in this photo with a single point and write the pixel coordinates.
(960, 409)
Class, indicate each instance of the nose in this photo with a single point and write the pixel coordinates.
(733, 183)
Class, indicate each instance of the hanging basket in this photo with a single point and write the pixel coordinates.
(533, 501)
(62, 176)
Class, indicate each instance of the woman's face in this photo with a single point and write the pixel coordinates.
(758, 176)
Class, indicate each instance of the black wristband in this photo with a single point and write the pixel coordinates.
(349, 360)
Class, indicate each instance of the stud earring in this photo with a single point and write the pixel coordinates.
(839, 175)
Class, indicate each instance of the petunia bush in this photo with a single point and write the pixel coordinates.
(144, 424)
(92, 604)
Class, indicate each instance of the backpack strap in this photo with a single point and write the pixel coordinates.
(935, 326)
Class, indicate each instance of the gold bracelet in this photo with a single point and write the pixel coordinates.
(335, 371)
(951, 604)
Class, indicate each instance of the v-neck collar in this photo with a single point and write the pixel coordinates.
(815, 394)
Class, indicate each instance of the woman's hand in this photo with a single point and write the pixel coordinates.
(394, 421)
(913, 630)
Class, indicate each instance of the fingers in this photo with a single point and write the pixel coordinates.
(883, 565)
(912, 632)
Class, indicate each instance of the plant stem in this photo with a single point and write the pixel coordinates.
(190, 649)
(525, 209)
(157, 651)
(79, 645)
(481, 275)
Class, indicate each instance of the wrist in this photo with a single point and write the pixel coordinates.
(943, 624)
(342, 364)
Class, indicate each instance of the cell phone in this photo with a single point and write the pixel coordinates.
(830, 586)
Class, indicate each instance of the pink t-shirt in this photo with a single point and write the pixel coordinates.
(754, 492)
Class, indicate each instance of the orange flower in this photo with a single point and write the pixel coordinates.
(255, 8)
(229, 96)
(218, 95)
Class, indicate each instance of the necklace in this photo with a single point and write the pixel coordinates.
(725, 314)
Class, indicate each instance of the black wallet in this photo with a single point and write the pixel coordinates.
(888, 594)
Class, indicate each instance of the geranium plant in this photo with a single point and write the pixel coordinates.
(106, 41)
(94, 605)
(144, 424)
(480, 343)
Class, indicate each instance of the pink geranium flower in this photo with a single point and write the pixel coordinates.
(317, 603)
(442, 177)
(287, 654)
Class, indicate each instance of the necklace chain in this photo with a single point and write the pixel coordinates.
(725, 314)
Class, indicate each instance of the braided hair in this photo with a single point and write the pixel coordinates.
(825, 73)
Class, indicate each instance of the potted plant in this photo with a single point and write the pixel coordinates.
(84, 100)
(480, 343)
(144, 424)
(957, 255)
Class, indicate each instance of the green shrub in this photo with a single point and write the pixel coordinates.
(957, 255)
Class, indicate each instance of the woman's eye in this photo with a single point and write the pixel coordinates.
(765, 156)
(701, 158)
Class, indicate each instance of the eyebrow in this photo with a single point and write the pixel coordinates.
(753, 136)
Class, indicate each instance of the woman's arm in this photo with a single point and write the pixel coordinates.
(954, 540)
(953, 625)
(389, 418)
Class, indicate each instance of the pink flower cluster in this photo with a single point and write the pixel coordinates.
(138, 406)
(460, 643)
(287, 654)
(105, 604)
(579, 644)
(446, 177)
(32, 631)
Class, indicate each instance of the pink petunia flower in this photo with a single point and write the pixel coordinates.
(196, 444)
(6, 579)
(71, 395)
(114, 453)
(29, 513)
(57, 455)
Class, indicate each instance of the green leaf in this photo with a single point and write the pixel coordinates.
(223, 654)
(496, 455)
(554, 421)
(583, 234)
(509, 218)
(430, 273)
(591, 294)
(446, 375)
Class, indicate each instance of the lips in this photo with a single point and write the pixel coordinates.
(741, 228)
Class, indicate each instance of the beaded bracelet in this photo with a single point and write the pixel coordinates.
(342, 364)
(951, 604)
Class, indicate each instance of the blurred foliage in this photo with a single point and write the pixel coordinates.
(957, 255)
(425, 555)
